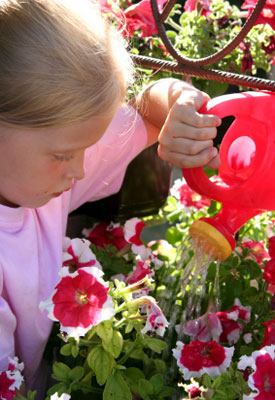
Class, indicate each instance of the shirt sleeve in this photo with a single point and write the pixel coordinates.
(107, 160)
(7, 329)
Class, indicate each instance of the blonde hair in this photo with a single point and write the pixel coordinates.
(60, 62)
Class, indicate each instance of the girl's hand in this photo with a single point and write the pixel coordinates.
(186, 138)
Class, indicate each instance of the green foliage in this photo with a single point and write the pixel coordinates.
(195, 36)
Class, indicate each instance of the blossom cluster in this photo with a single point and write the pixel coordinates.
(82, 299)
(11, 379)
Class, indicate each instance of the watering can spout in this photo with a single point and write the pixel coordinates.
(215, 235)
(246, 186)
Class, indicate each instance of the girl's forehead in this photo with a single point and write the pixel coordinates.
(78, 135)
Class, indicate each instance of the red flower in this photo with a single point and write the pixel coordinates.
(197, 358)
(139, 17)
(80, 301)
(270, 48)
(258, 250)
(201, 6)
(132, 231)
(205, 328)
(103, 233)
(141, 270)
(77, 254)
(269, 271)
(187, 196)
(6, 393)
(247, 60)
(267, 15)
(231, 328)
(271, 240)
(136, 17)
(262, 379)
(194, 390)
(11, 380)
(269, 336)
(156, 321)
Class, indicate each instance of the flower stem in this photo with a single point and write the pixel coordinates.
(174, 24)
(131, 350)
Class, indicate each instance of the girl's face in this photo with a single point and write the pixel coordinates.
(37, 165)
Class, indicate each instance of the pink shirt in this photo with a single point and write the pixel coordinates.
(31, 242)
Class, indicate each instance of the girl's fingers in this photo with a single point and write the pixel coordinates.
(185, 160)
(177, 130)
(186, 146)
(215, 162)
(189, 116)
(185, 110)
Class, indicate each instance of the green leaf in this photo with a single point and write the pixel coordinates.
(76, 373)
(160, 366)
(75, 350)
(217, 382)
(206, 381)
(60, 388)
(31, 394)
(157, 382)
(105, 330)
(101, 362)
(145, 388)
(66, 350)
(156, 345)
(167, 392)
(132, 376)
(116, 388)
(114, 346)
(61, 371)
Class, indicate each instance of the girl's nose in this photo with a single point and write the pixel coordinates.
(77, 168)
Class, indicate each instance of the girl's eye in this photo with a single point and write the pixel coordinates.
(63, 157)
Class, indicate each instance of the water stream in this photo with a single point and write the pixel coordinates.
(188, 293)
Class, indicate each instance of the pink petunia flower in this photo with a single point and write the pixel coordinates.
(231, 328)
(141, 270)
(262, 380)
(156, 321)
(269, 336)
(11, 379)
(140, 17)
(205, 328)
(102, 234)
(247, 60)
(132, 230)
(137, 17)
(271, 246)
(188, 198)
(259, 251)
(80, 301)
(267, 15)
(269, 271)
(270, 49)
(198, 358)
(201, 6)
(194, 390)
(222, 326)
(77, 254)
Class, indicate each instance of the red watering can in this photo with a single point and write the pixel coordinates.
(247, 170)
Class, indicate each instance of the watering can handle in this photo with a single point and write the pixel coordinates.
(237, 105)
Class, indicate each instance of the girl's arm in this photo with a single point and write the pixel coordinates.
(169, 108)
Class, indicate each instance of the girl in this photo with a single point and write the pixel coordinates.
(66, 137)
